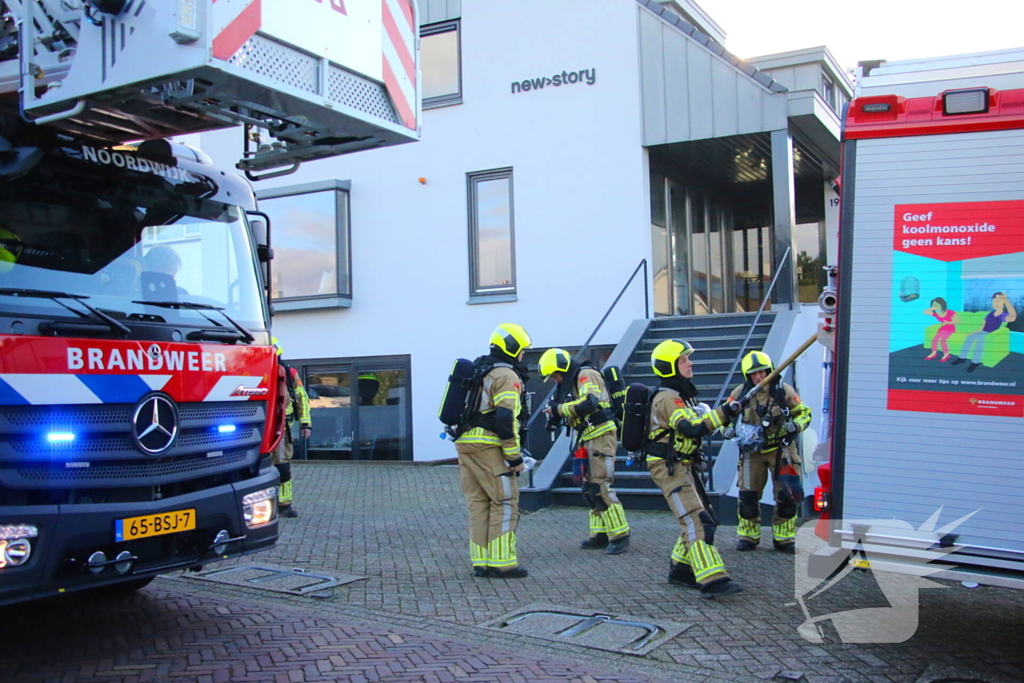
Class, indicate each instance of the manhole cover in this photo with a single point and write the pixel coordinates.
(945, 673)
(586, 628)
(294, 581)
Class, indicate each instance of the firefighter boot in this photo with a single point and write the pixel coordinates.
(719, 588)
(513, 573)
(682, 575)
(618, 545)
(287, 511)
(788, 548)
(599, 541)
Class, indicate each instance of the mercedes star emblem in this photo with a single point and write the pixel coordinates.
(155, 424)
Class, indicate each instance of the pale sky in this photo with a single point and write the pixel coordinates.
(856, 30)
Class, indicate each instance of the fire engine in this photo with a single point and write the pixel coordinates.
(926, 455)
(140, 397)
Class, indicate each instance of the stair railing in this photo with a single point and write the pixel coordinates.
(586, 345)
(743, 347)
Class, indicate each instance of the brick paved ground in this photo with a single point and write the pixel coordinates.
(418, 613)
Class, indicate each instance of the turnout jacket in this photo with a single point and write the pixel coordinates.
(500, 399)
(298, 399)
(687, 423)
(775, 404)
(588, 405)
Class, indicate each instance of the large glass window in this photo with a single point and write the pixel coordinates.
(680, 242)
(810, 260)
(359, 408)
(440, 65)
(660, 247)
(310, 236)
(701, 258)
(492, 233)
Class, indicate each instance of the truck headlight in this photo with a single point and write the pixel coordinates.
(260, 507)
(15, 546)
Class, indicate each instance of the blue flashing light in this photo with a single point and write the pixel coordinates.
(60, 437)
(226, 429)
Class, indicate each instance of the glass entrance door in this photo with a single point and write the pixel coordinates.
(360, 411)
(694, 233)
(330, 408)
(382, 421)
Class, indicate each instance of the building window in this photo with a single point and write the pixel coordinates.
(828, 92)
(492, 234)
(310, 234)
(810, 260)
(361, 408)
(440, 64)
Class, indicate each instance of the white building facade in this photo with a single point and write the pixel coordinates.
(562, 144)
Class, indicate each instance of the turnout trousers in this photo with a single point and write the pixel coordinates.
(283, 463)
(754, 470)
(606, 513)
(492, 498)
(695, 548)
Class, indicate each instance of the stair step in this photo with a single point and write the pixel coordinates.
(687, 332)
(717, 318)
(566, 491)
(715, 342)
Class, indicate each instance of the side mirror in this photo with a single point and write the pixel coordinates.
(259, 226)
(259, 232)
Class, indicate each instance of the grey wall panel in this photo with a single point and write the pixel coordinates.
(907, 464)
(725, 101)
(775, 112)
(652, 78)
(677, 85)
(749, 112)
(807, 77)
(698, 69)
(688, 93)
(433, 11)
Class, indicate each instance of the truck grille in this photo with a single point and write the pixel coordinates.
(134, 470)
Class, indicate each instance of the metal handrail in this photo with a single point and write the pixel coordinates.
(746, 340)
(579, 354)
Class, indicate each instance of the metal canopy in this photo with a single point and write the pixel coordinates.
(739, 168)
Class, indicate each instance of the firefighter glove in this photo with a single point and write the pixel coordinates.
(791, 427)
(729, 433)
(732, 408)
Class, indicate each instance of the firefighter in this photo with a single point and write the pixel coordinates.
(491, 457)
(298, 404)
(10, 249)
(765, 431)
(677, 424)
(584, 403)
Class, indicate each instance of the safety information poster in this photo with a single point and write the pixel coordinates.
(956, 341)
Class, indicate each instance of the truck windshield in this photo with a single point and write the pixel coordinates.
(123, 237)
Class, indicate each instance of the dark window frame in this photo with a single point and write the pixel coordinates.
(433, 30)
(492, 293)
(342, 297)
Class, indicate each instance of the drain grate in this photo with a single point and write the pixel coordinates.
(598, 630)
(294, 581)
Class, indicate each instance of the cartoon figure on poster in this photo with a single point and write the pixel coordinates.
(940, 312)
(967, 260)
